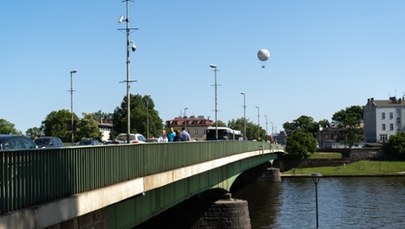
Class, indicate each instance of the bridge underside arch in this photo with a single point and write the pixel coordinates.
(136, 210)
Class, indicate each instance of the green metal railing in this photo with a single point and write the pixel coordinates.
(36, 176)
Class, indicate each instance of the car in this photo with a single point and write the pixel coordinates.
(48, 142)
(133, 138)
(15, 142)
(88, 142)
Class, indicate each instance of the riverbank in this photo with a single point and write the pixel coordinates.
(355, 169)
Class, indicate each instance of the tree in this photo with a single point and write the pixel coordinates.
(220, 123)
(395, 147)
(7, 127)
(301, 144)
(253, 131)
(101, 115)
(144, 117)
(88, 128)
(324, 123)
(58, 123)
(350, 119)
(33, 132)
(305, 123)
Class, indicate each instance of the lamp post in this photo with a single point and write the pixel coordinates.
(214, 67)
(147, 116)
(272, 131)
(244, 114)
(267, 133)
(315, 178)
(129, 45)
(258, 122)
(185, 118)
(71, 103)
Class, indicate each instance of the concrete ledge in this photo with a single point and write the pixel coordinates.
(61, 210)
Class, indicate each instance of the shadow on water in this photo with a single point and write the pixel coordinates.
(263, 201)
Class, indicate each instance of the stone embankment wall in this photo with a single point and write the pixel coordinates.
(324, 162)
(347, 157)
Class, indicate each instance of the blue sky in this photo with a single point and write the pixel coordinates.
(325, 56)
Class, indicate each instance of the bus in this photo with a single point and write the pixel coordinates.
(224, 134)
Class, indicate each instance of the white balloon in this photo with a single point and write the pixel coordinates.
(263, 54)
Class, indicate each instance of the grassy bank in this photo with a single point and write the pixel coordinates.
(361, 168)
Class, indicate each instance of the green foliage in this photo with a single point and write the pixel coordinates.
(253, 131)
(324, 123)
(88, 128)
(144, 117)
(360, 168)
(395, 147)
(58, 123)
(101, 115)
(301, 144)
(220, 123)
(350, 119)
(7, 127)
(33, 132)
(304, 123)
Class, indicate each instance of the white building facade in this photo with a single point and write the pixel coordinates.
(383, 118)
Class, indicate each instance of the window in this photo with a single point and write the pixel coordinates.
(383, 115)
(391, 126)
(391, 115)
(383, 137)
(383, 126)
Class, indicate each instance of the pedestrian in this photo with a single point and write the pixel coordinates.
(171, 135)
(178, 137)
(185, 135)
(163, 137)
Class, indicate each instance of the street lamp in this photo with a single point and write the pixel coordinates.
(129, 45)
(71, 103)
(258, 122)
(272, 131)
(267, 133)
(214, 67)
(315, 178)
(147, 115)
(185, 118)
(244, 114)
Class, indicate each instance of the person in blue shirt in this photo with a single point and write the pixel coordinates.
(185, 135)
(170, 135)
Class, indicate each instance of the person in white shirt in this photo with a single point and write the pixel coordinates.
(163, 137)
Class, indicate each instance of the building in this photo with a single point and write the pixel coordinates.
(280, 138)
(105, 126)
(195, 125)
(330, 137)
(383, 118)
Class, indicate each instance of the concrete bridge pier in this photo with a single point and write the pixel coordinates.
(214, 208)
(270, 175)
(224, 212)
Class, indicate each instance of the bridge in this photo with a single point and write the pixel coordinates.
(127, 184)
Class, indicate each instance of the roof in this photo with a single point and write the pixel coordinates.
(391, 102)
(191, 121)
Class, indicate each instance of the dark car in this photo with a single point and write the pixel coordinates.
(15, 142)
(48, 142)
(88, 142)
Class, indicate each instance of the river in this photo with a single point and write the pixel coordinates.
(361, 202)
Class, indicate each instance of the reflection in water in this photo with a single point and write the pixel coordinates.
(343, 203)
(263, 199)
